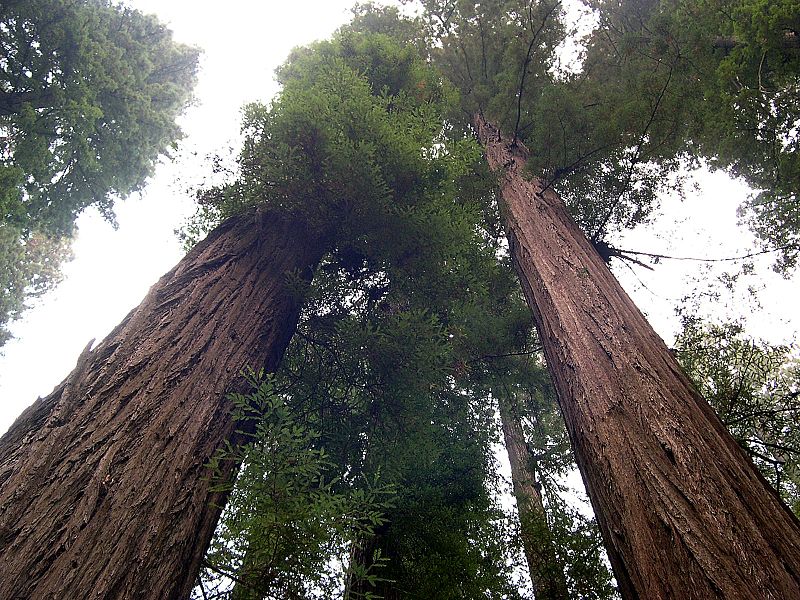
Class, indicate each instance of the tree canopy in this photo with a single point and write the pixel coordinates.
(400, 350)
(89, 96)
(659, 86)
(618, 143)
(29, 266)
(754, 387)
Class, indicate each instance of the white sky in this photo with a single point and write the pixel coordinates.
(243, 42)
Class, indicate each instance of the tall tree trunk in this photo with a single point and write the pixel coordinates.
(103, 489)
(547, 575)
(683, 512)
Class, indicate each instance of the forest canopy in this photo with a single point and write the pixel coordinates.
(89, 96)
(634, 147)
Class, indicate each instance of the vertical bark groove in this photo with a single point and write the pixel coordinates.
(683, 512)
(103, 489)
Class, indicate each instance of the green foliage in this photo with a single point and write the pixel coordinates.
(380, 372)
(29, 266)
(580, 549)
(287, 516)
(755, 389)
(89, 94)
(387, 20)
(716, 81)
(590, 139)
(358, 147)
(496, 53)
(661, 85)
(355, 138)
(374, 376)
(752, 124)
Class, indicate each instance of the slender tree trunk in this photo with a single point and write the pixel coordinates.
(683, 512)
(362, 556)
(547, 575)
(103, 488)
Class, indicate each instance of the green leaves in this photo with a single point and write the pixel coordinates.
(715, 81)
(30, 265)
(288, 514)
(89, 94)
(755, 389)
(355, 134)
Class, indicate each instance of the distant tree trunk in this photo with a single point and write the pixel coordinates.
(362, 557)
(103, 488)
(683, 512)
(547, 575)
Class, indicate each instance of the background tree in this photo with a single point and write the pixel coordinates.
(89, 96)
(754, 388)
(561, 545)
(29, 266)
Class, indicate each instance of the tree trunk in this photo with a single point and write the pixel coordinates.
(362, 559)
(103, 488)
(683, 512)
(547, 575)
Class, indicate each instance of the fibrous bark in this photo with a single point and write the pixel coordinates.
(683, 512)
(103, 487)
(547, 575)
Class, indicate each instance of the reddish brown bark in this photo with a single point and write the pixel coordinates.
(684, 513)
(547, 575)
(103, 488)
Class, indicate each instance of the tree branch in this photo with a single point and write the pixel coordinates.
(526, 63)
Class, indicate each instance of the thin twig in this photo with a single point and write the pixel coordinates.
(526, 63)
(730, 258)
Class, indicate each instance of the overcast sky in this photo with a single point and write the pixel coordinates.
(243, 42)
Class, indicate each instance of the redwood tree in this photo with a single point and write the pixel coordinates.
(684, 513)
(103, 487)
(547, 574)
